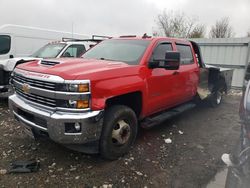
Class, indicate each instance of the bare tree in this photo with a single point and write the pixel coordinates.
(222, 29)
(198, 32)
(177, 24)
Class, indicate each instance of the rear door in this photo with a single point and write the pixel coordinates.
(188, 72)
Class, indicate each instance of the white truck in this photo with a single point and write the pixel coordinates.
(22, 41)
(19, 44)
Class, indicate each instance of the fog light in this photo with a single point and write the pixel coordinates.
(78, 126)
(73, 128)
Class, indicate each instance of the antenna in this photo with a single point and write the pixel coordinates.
(72, 29)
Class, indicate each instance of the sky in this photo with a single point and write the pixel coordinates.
(119, 17)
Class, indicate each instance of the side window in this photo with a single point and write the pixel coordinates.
(74, 51)
(161, 49)
(186, 54)
(4, 44)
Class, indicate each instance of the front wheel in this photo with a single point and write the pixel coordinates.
(119, 131)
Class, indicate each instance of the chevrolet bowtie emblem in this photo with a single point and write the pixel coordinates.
(26, 88)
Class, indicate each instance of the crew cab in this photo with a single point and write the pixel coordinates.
(96, 103)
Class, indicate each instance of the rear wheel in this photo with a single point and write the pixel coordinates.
(216, 98)
(119, 131)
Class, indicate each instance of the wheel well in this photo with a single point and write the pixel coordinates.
(217, 82)
(221, 84)
(132, 100)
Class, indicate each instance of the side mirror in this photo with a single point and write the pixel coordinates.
(11, 56)
(171, 61)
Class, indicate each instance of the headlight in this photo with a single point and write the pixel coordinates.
(81, 88)
(78, 87)
(80, 91)
(77, 104)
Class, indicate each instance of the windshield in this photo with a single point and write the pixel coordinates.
(128, 51)
(49, 51)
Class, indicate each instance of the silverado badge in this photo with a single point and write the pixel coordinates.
(26, 88)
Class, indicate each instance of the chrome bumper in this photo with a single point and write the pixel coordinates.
(54, 122)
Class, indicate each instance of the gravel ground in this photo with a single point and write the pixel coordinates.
(198, 138)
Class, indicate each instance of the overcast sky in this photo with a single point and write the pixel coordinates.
(117, 17)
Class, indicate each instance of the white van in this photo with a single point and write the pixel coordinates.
(22, 41)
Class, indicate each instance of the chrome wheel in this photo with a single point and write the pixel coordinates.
(121, 133)
(219, 97)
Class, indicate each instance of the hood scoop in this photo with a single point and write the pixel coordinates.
(49, 63)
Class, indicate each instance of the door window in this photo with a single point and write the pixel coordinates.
(161, 49)
(186, 54)
(4, 44)
(74, 51)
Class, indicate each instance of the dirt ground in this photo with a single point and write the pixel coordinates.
(199, 137)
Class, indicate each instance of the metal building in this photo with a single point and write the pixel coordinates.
(229, 53)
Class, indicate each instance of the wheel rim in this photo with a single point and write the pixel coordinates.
(219, 97)
(121, 133)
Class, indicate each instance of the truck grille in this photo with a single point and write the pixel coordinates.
(35, 83)
(37, 99)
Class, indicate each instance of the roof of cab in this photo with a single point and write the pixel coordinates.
(150, 38)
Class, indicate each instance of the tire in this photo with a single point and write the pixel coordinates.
(216, 99)
(119, 131)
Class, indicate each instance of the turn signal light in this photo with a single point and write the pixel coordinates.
(83, 87)
(82, 104)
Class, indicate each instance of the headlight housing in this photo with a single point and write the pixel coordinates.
(80, 91)
(72, 87)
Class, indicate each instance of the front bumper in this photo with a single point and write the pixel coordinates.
(53, 122)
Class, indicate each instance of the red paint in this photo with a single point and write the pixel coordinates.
(160, 88)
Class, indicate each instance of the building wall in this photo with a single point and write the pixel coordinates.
(229, 53)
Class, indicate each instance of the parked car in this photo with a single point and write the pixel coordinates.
(96, 103)
(67, 47)
(238, 161)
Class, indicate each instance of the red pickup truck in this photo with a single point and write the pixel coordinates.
(96, 103)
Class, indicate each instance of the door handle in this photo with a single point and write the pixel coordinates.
(176, 73)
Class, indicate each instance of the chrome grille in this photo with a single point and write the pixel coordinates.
(37, 99)
(35, 83)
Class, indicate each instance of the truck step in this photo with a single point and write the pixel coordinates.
(159, 118)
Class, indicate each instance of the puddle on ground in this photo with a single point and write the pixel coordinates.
(219, 180)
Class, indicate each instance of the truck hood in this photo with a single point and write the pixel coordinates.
(77, 68)
(9, 64)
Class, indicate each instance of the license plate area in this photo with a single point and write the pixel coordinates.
(28, 130)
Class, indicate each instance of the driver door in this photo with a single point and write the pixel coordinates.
(164, 89)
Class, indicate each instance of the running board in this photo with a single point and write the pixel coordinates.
(157, 119)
